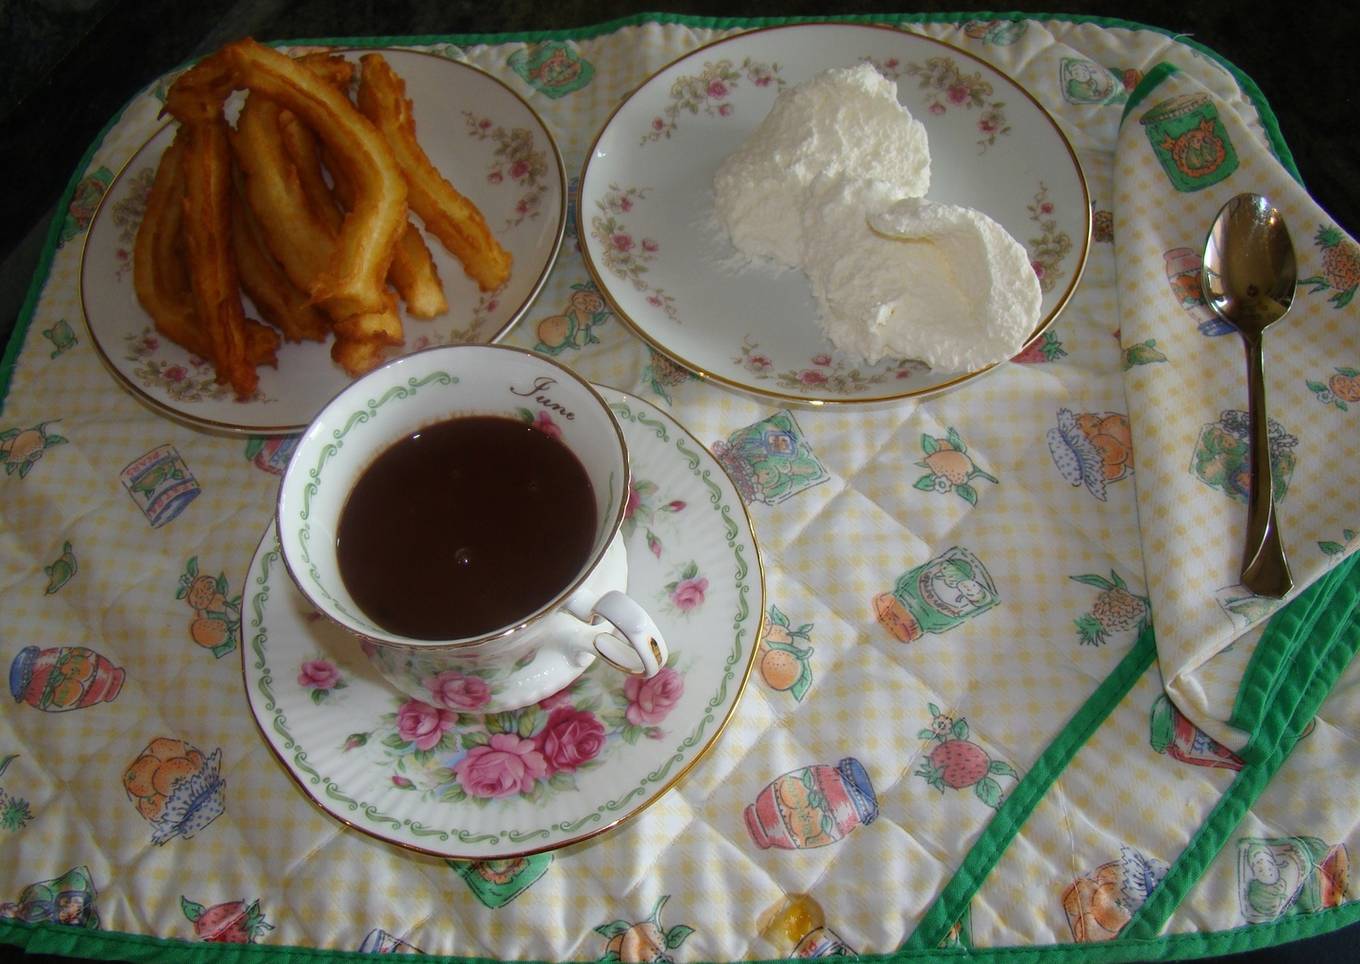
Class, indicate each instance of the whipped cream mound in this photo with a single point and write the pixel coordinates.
(938, 282)
(832, 182)
(845, 121)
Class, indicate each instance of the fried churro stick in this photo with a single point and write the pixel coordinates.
(413, 271)
(280, 303)
(451, 217)
(160, 276)
(207, 234)
(354, 280)
(298, 237)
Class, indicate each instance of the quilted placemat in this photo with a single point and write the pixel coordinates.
(1007, 693)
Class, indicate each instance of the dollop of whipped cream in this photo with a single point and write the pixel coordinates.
(832, 183)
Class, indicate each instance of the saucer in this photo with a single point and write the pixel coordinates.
(573, 765)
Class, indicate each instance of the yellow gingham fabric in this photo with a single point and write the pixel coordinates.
(1011, 676)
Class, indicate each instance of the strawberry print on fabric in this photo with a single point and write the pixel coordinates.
(957, 763)
(232, 922)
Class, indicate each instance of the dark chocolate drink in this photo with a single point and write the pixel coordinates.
(465, 527)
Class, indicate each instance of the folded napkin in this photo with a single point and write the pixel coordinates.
(1183, 151)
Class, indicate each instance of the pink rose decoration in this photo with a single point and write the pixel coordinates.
(822, 359)
(650, 246)
(622, 242)
(454, 691)
(958, 93)
(689, 593)
(634, 500)
(651, 700)
(936, 108)
(318, 674)
(717, 89)
(759, 362)
(724, 110)
(495, 177)
(569, 738)
(519, 169)
(810, 376)
(504, 767)
(175, 373)
(422, 724)
(543, 422)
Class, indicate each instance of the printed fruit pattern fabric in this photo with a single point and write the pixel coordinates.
(1340, 266)
(1092, 448)
(957, 763)
(786, 655)
(175, 787)
(230, 923)
(642, 942)
(216, 617)
(1115, 610)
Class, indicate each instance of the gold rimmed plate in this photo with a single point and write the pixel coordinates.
(654, 246)
(446, 780)
(479, 134)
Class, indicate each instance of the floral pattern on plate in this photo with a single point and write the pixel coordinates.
(477, 131)
(654, 246)
(464, 785)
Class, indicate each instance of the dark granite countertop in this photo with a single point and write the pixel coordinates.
(70, 65)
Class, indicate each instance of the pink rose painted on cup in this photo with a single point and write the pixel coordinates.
(422, 724)
(687, 592)
(455, 691)
(651, 700)
(319, 674)
(569, 738)
(505, 766)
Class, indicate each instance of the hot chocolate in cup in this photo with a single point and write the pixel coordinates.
(458, 510)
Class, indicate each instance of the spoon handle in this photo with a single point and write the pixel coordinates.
(1265, 571)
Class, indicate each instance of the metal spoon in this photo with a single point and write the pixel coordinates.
(1248, 280)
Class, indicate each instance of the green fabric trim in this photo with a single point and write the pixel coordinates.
(55, 939)
(113, 946)
(1329, 646)
(1011, 816)
(1272, 662)
(1157, 75)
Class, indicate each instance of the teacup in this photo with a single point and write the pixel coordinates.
(542, 649)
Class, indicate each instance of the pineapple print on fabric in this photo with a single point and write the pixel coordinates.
(1114, 611)
(1340, 266)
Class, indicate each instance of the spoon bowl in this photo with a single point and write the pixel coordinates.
(1249, 277)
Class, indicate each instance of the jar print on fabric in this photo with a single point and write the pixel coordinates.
(62, 678)
(1173, 734)
(1222, 456)
(798, 922)
(936, 596)
(812, 806)
(770, 460)
(68, 899)
(1183, 269)
(1190, 141)
(1283, 876)
(161, 484)
(497, 882)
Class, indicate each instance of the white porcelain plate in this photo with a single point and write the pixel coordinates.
(651, 240)
(572, 766)
(480, 135)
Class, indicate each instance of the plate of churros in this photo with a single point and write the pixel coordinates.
(309, 214)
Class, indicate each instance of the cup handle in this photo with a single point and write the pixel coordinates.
(636, 646)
